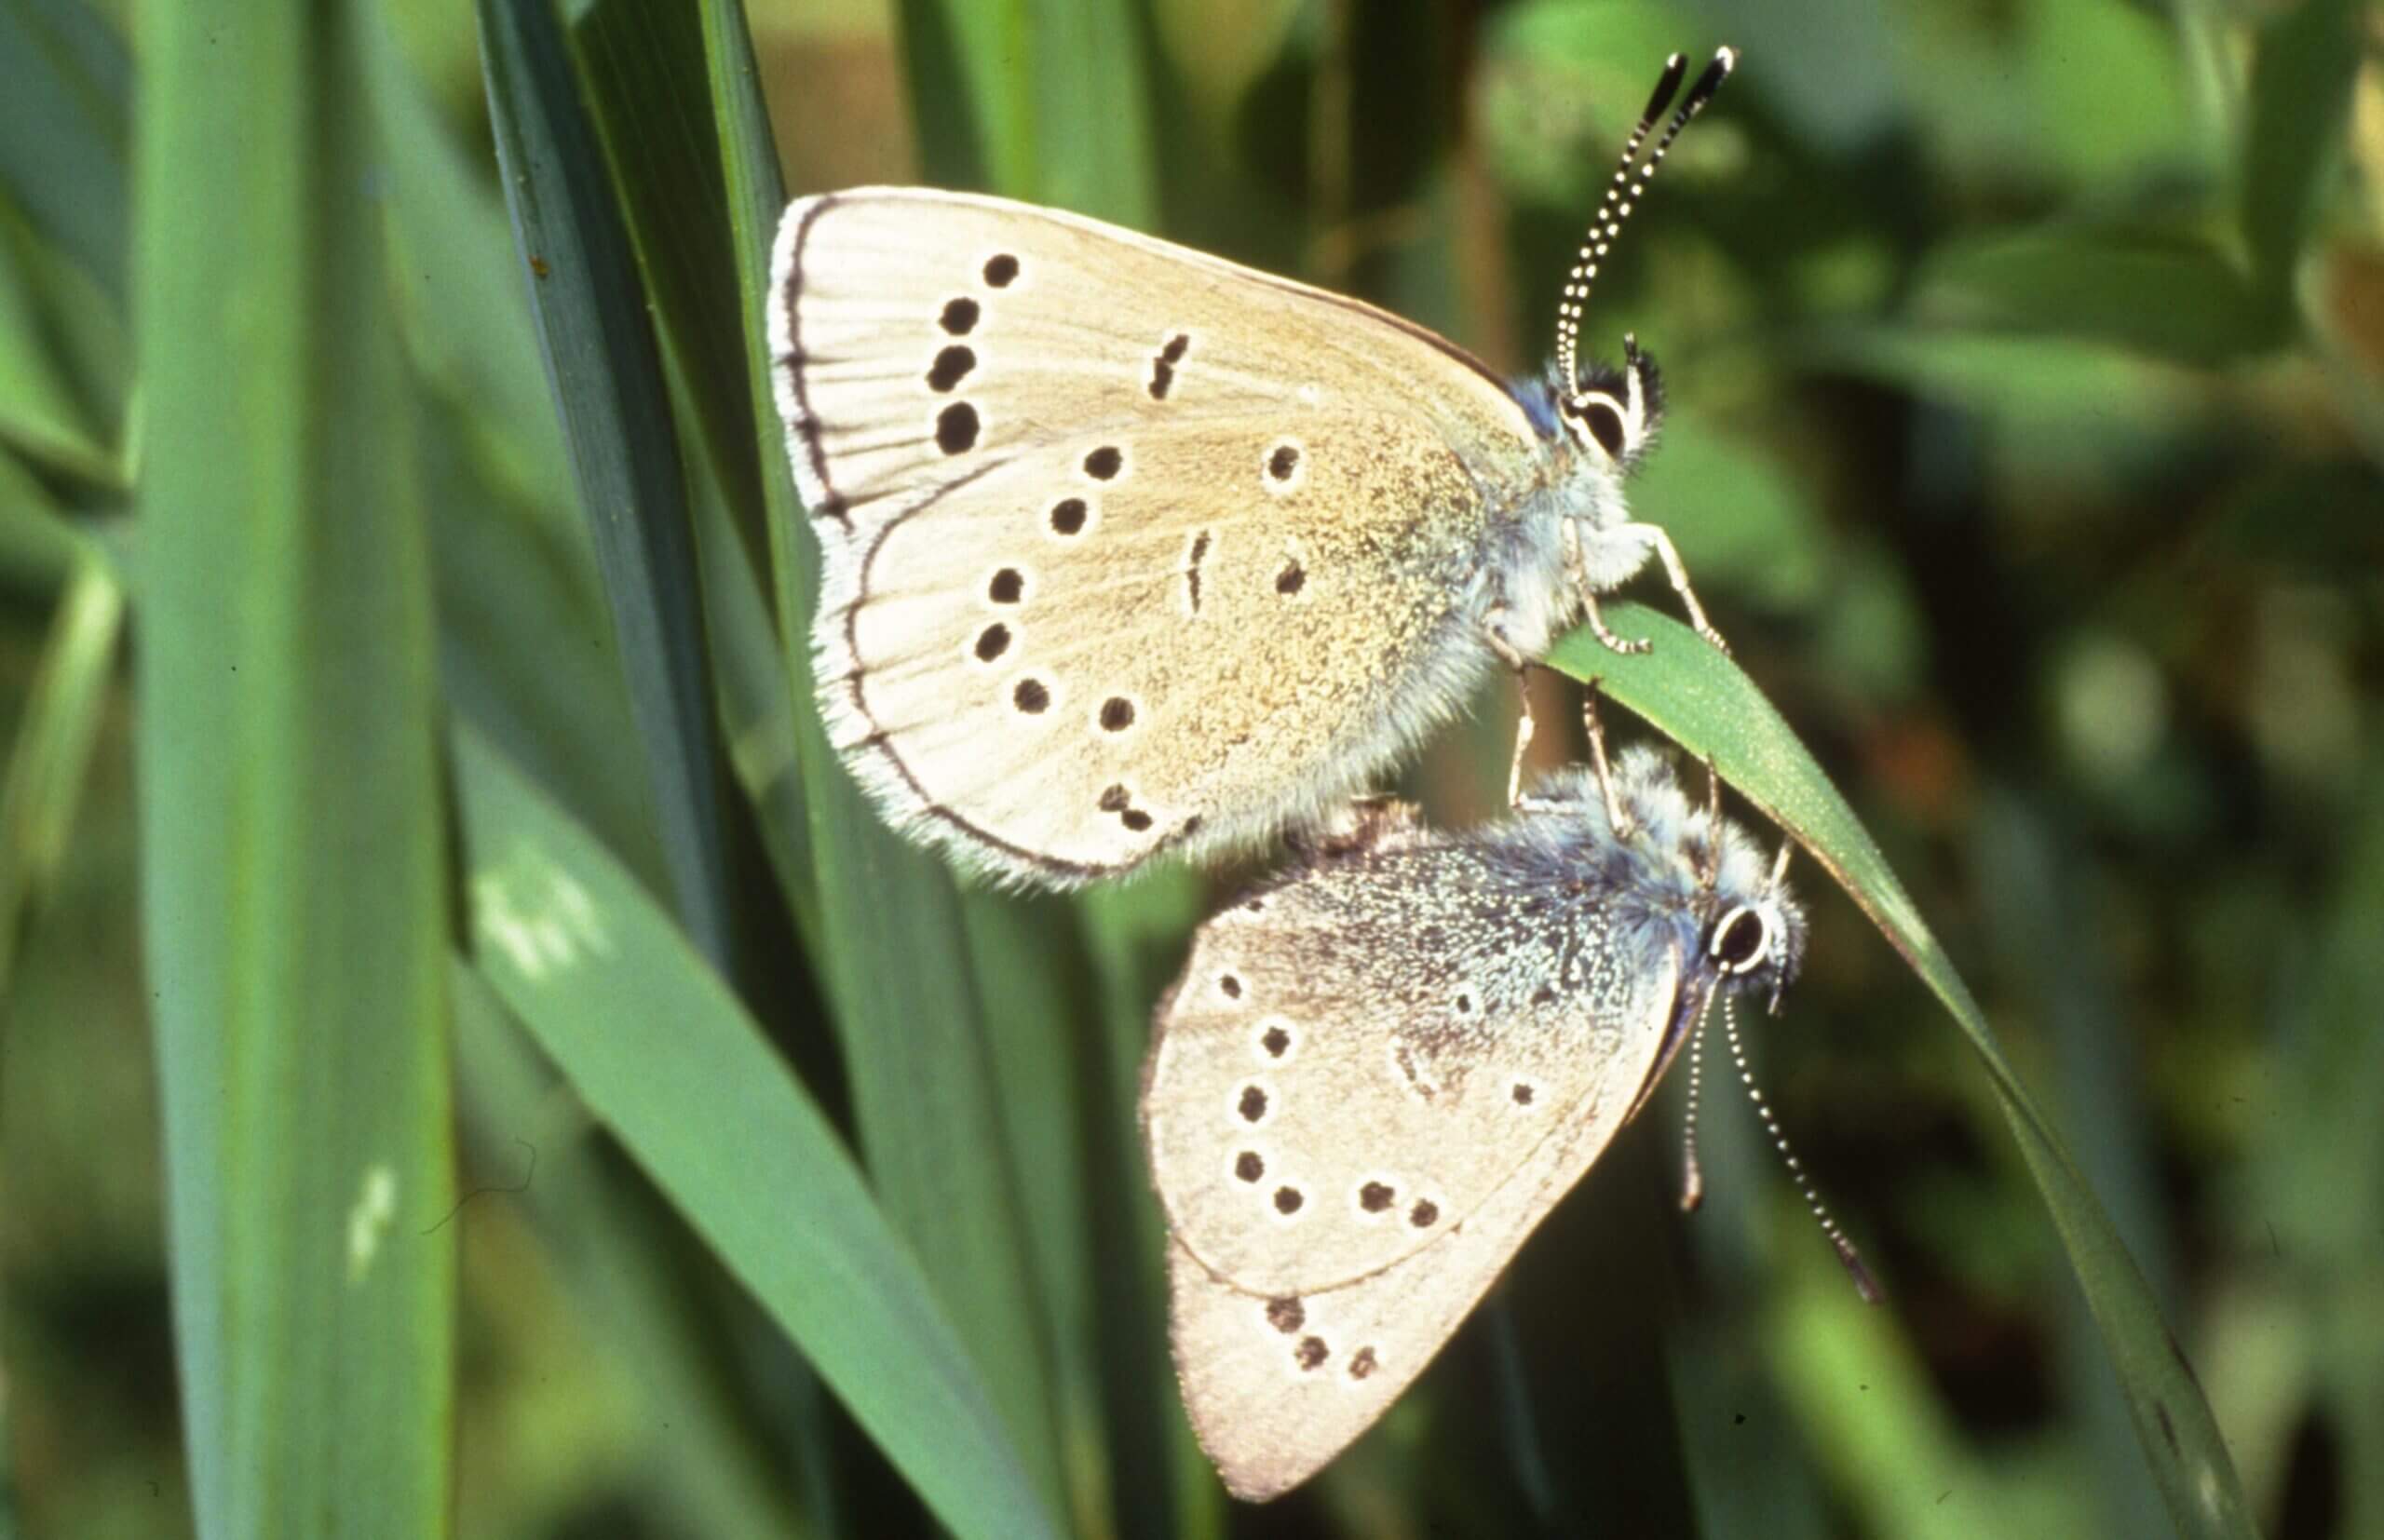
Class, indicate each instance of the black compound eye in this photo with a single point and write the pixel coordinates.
(1605, 424)
(1740, 941)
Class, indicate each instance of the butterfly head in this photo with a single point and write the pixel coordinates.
(1755, 931)
(1613, 413)
(1756, 947)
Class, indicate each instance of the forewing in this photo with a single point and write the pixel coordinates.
(1091, 503)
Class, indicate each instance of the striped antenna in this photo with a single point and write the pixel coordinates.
(1692, 1181)
(1622, 195)
(1846, 1252)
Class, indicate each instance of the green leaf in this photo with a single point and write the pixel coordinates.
(1042, 100)
(293, 886)
(2179, 300)
(2300, 100)
(526, 640)
(40, 416)
(893, 949)
(618, 1253)
(1696, 696)
(605, 370)
(641, 62)
(52, 752)
(65, 83)
(663, 1053)
(1165, 1484)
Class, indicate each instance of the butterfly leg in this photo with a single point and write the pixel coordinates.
(1525, 726)
(1616, 819)
(1577, 568)
(1653, 537)
(1712, 873)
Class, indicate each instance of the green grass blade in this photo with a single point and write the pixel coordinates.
(663, 1054)
(619, 1259)
(2300, 100)
(39, 550)
(292, 881)
(52, 753)
(526, 644)
(40, 417)
(1043, 99)
(1699, 699)
(1093, 110)
(64, 80)
(894, 951)
(1165, 1485)
(605, 367)
(643, 66)
(1034, 977)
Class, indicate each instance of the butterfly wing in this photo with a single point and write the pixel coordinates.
(1125, 546)
(1416, 1161)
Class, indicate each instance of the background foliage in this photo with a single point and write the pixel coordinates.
(571, 1117)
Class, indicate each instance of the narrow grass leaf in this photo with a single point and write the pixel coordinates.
(642, 65)
(894, 951)
(526, 644)
(660, 1050)
(1040, 1032)
(971, 98)
(52, 752)
(2300, 99)
(39, 549)
(1696, 696)
(1165, 1484)
(604, 368)
(293, 886)
(1095, 151)
(40, 417)
(645, 68)
(621, 1260)
(65, 82)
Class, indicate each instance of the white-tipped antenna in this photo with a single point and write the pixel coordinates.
(1623, 194)
(1692, 1181)
(1846, 1252)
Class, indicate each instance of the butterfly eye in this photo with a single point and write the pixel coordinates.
(1741, 941)
(1602, 420)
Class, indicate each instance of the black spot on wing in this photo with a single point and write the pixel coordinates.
(1163, 366)
(952, 365)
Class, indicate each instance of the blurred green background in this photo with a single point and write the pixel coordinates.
(490, 975)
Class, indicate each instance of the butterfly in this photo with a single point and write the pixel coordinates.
(1377, 1074)
(1127, 549)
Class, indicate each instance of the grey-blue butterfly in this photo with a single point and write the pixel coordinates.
(1127, 549)
(1377, 1074)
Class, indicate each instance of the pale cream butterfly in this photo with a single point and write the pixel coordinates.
(1375, 1078)
(1128, 550)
